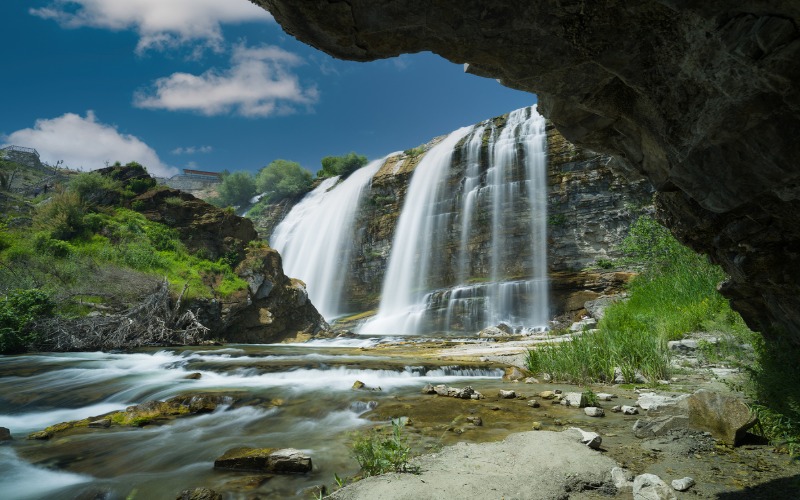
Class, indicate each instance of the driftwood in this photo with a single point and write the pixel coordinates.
(151, 322)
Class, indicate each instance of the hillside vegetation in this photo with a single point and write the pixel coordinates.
(81, 249)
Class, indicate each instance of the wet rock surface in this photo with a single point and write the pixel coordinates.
(279, 461)
(697, 97)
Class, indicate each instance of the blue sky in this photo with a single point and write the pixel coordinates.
(213, 84)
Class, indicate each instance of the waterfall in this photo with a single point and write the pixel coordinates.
(316, 237)
(406, 278)
(428, 286)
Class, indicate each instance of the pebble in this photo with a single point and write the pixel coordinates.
(507, 394)
(683, 484)
(533, 403)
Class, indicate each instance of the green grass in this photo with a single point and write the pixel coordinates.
(121, 238)
(674, 295)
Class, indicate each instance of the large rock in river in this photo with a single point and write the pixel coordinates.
(280, 461)
(725, 416)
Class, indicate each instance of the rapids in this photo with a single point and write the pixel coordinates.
(296, 396)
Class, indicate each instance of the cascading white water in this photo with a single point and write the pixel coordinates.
(316, 237)
(406, 278)
(513, 183)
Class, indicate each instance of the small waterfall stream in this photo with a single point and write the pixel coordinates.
(315, 238)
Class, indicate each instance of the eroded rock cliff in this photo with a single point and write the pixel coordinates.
(700, 97)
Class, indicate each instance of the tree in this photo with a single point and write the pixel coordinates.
(237, 188)
(283, 179)
(341, 165)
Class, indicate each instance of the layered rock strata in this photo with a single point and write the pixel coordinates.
(699, 97)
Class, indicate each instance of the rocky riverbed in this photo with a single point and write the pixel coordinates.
(302, 397)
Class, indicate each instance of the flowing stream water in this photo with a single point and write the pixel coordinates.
(296, 396)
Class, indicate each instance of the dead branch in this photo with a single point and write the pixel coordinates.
(153, 321)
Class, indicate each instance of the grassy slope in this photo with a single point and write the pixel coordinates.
(88, 257)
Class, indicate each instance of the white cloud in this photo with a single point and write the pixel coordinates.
(84, 143)
(190, 150)
(258, 83)
(159, 23)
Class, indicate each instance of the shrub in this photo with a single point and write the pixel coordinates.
(92, 187)
(45, 244)
(18, 310)
(62, 215)
(378, 454)
(237, 188)
(283, 179)
(341, 165)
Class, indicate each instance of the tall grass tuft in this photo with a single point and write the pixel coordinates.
(675, 294)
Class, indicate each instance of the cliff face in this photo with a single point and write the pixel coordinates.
(590, 208)
(699, 97)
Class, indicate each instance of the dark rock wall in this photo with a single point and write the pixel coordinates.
(700, 97)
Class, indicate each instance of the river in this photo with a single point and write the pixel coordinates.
(296, 396)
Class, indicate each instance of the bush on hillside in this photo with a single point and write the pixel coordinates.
(62, 215)
(92, 187)
(341, 165)
(236, 189)
(18, 310)
(283, 179)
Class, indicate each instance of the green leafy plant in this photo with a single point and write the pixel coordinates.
(591, 398)
(237, 188)
(341, 165)
(18, 310)
(377, 453)
(283, 179)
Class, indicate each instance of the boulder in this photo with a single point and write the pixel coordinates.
(659, 426)
(199, 494)
(102, 423)
(604, 396)
(629, 410)
(621, 478)
(428, 389)
(651, 487)
(533, 403)
(279, 461)
(652, 401)
(683, 484)
(441, 390)
(507, 394)
(583, 325)
(492, 332)
(590, 439)
(476, 421)
(512, 373)
(547, 394)
(576, 399)
(593, 411)
(726, 417)
(5, 434)
(194, 376)
(465, 393)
